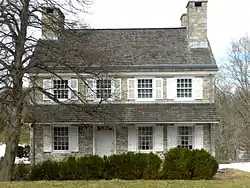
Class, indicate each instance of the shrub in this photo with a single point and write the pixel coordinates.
(204, 166)
(90, 167)
(177, 164)
(47, 170)
(182, 163)
(68, 169)
(130, 166)
(71, 168)
(23, 151)
(21, 172)
(153, 166)
(20, 151)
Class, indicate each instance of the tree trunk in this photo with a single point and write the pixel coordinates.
(12, 135)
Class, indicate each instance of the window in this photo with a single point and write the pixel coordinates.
(103, 89)
(145, 138)
(145, 88)
(185, 137)
(184, 88)
(61, 138)
(60, 89)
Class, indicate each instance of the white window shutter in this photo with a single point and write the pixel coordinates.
(90, 87)
(47, 86)
(171, 88)
(73, 84)
(198, 88)
(47, 138)
(159, 138)
(132, 140)
(198, 137)
(172, 137)
(158, 88)
(131, 88)
(73, 138)
(116, 89)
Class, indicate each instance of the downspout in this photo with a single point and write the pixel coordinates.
(32, 142)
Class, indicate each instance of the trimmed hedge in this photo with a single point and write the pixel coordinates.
(21, 172)
(204, 165)
(179, 163)
(182, 163)
(131, 166)
(71, 168)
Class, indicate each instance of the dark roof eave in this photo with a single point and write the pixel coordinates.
(137, 68)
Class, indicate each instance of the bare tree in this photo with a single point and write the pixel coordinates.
(233, 100)
(19, 19)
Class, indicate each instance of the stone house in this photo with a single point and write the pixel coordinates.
(158, 92)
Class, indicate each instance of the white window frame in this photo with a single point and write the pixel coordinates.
(193, 134)
(153, 89)
(68, 80)
(192, 93)
(111, 88)
(137, 138)
(52, 140)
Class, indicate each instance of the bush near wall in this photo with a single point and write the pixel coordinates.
(131, 166)
(182, 163)
(71, 168)
(179, 163)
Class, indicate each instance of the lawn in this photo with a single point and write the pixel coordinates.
(233, 178)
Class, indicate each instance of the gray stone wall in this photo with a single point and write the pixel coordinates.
(53, 23)
(121, 139)
(85, 144)
(206, 137)
(86, 139)
(197, 22)
(208, 90)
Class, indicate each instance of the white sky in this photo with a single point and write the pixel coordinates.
(227, 19)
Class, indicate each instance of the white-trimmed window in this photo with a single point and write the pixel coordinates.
(60, 89)
(61, 138)
(145, 138)
(103, 89)
(145, 88)
(184, 88)
(185, 137)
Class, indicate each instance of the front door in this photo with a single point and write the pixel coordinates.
(104, 140)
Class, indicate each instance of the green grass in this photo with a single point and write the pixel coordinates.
(237, 183)
(231, 179)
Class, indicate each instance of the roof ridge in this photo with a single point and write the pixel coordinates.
(112, 29)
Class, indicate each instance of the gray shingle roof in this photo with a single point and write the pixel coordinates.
(124, 113)
(156, 46)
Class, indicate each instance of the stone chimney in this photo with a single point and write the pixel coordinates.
(197, 23)
(52, 23)
(184, 20)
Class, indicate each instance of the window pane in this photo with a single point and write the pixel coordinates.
(184, 88)
(145, 138)
(61, 138)
(60, 89)
(185, 137)
(103, 89)
(145, 88)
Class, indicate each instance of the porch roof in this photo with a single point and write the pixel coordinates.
(122, 113)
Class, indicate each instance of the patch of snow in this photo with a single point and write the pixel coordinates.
(22, 160)
(238, 166)
(2, 149)
(17, 160)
